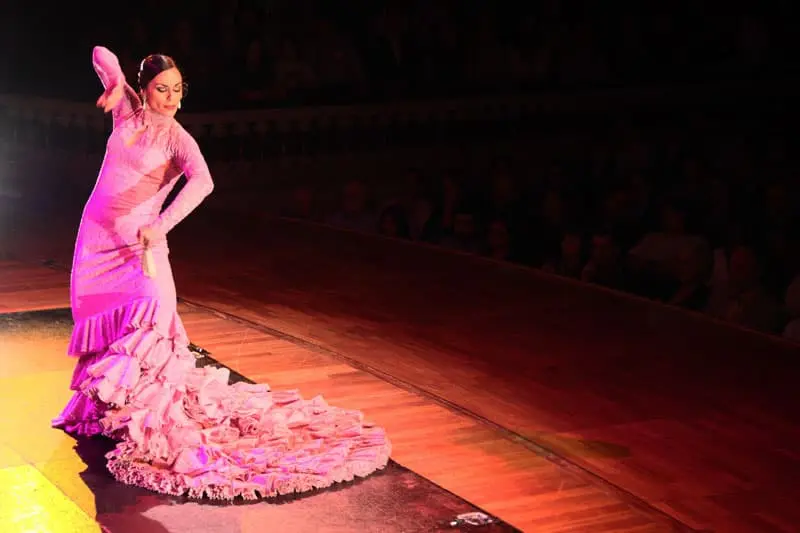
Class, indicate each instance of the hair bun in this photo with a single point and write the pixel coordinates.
(151, 66)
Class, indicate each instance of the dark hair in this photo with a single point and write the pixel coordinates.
(151, 66)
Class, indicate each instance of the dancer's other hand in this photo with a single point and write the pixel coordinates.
(111, 97)
(147, 236)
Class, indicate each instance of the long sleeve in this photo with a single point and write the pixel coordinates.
(107, 67)
(186, 156)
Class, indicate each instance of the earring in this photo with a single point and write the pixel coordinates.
(179, 104)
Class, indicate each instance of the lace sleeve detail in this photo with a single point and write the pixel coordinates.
(186, 155)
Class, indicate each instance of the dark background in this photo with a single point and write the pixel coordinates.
(688, 197)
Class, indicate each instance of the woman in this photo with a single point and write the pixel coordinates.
(181, 429)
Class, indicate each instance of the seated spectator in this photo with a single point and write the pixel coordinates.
(450, 198)
(354, 213)
(572, 258)
(781, 258)
(463, 236)
(255, 75)
(653, 260)
(549, 226)
(499, 242)
(745, 301)
(393, 222)
(621, 213)
(417, 203)
(294, 77)
(605, 266)
(694, 273)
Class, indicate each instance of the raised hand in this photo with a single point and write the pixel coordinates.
(111, 97)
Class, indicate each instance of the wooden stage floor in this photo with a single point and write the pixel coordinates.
(553, 406)
(462, 454)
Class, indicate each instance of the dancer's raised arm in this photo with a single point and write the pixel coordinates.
(119, 97)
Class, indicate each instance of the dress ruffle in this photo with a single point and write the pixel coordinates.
(185, 430)
(94, 334)
(81, 416)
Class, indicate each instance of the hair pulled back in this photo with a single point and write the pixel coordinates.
(151, 66)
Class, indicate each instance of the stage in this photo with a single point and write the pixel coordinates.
(546, 405)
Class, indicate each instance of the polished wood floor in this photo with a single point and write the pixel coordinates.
(690, 417)
(697, 419)
(461, 454)
(25, 288)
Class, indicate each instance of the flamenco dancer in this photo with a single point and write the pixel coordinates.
(181, 430)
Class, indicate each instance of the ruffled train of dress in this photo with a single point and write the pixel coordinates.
(184, 430)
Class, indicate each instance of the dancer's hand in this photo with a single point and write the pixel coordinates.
(111, 97)
(147, 236)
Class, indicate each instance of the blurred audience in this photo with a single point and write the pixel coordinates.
(666, 214)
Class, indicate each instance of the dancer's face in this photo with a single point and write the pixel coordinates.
(165, 91)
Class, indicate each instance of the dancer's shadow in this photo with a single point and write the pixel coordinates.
(120, 508)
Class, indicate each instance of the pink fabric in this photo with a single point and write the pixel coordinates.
(181, 429)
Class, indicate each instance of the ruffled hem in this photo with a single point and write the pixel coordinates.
(94, 334)
(252, 485)
(184, 431)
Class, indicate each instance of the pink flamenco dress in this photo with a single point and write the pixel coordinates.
(181, 430)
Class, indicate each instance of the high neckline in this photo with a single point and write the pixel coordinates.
(155, 119)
